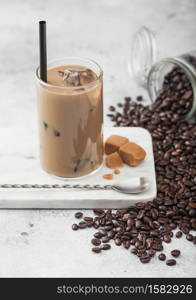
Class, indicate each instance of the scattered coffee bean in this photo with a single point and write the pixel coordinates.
(127, 99)
(146, 226)
(105, 247)
(96, 249)
(117, 242)
(134, 251)
(167, 238)
(103, 232)
(88, 219)
(105, 239)
(75, 227)
(98, 212)
(78, 215)
(170, 262)
(126, 244)
(189, 237)
(82, 225)
(179, 234)
(175, 253)
(96, 242)
(112, 108)
(151, 252)
(145, 260)
(162, 256)
(120, 105)
(139, 98)
(97, 235)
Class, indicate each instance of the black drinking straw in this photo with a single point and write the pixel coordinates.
(43, 50)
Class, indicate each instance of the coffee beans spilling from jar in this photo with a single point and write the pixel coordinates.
(146, 227)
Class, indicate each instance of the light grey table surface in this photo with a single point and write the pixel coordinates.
(38, 242)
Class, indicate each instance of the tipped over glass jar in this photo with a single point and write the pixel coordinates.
(171, 78)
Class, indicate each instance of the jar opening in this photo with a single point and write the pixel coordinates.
(160, 76)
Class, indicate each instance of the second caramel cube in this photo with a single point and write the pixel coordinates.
(132, 154)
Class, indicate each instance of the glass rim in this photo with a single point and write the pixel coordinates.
(70, 88)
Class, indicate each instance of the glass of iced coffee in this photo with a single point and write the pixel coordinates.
(70, 114)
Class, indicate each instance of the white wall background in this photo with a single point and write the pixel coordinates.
(101, 30)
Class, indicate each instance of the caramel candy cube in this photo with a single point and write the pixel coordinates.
(132, 154)
(114, 142)
(114, 161)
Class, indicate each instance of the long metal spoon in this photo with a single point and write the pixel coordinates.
(134, 185)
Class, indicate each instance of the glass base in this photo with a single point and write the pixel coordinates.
(75, 178)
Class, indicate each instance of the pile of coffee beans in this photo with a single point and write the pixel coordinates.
(145, 227)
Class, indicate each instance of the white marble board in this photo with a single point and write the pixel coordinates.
(19, 163)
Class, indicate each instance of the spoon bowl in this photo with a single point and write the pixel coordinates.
(134, 185)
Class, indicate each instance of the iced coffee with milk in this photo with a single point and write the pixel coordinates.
(70, 110)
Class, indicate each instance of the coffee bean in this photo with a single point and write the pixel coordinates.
(127, 99)
(78, 215)
(112, 108)
(90, 224)
(117, 242)
(126, 244)
(82, 225)
(145, 260)
(162, 256)
(103, 232)
(157, 247)
(111, 234)
(154, 233)
(139, 98)
(105, 239)
(138, 224)
(97, 235)
(98, 212)
(179, 234)
(167, 238)
(175, 253)
(88, 219)
(96, 224)
(189, 237)
(134, 251)
(105, 247)
(108, 228)
(96, 242)
(170, 262)
(151, 252)
(96, 249)
(75, 227)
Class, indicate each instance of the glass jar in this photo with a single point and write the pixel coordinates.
(149, 72)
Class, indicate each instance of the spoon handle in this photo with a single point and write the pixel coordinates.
(56, 186)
